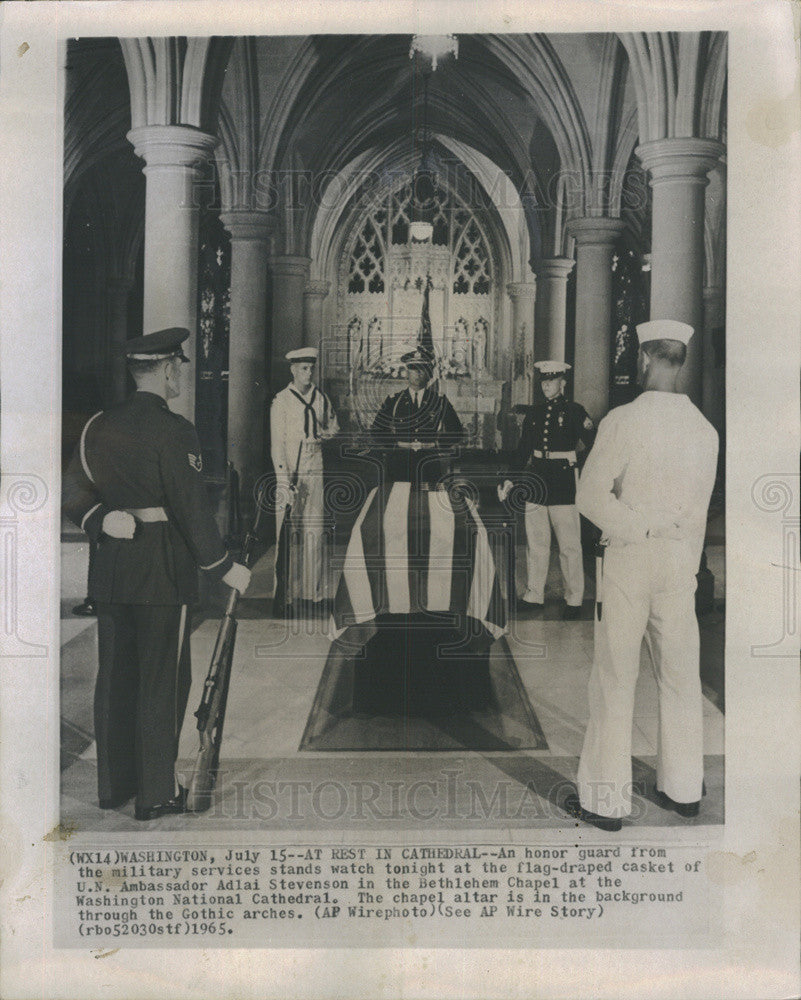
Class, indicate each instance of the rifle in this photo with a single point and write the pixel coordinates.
(211, 712)
(282, 594)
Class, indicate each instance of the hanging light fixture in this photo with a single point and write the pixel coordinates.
(424, 181)
(424, 184)
(434, 47)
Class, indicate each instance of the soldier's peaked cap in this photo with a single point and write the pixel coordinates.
(664, 329)
(552, 369)
(158, 346)
(302, 354)
(419, 356)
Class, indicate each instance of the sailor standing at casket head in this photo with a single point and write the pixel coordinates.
(301, 365)
(303, 355)
(301, 418)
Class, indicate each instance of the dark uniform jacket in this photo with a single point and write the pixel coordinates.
(556, 425)
(141, 454)
(434, 422)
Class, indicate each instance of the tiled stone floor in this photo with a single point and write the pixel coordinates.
(267, 783)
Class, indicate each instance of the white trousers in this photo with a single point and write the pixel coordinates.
(564, 518)
(647, 591)
(308, 559)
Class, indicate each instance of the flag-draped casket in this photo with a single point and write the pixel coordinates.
(419, 603)
(415, 551)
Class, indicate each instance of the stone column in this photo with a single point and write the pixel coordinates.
(289, 276)
(595, 240)
(118, 291)
(550, 310)
(523, 295)
(313, 299)
(679, 169)
(713, 396)
(172, 155)
(247, 351)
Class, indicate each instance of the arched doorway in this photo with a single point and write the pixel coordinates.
(381, 276)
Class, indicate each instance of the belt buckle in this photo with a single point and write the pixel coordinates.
(546, 453)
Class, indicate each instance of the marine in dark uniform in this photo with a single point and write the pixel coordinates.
(134, 486)
(546, 457)
(414, 426)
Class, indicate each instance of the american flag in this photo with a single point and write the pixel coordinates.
(424, 336)
(412, 551)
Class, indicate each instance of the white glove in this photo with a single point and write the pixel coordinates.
(119, 524)
(237, 578)
(666, 530)
(503, 491)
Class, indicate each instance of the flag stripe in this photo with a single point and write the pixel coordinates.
(372, 541)
(462, 559)
(419, 531)
(396, 548)
(355, 577)
(414, 550)
(440, 553)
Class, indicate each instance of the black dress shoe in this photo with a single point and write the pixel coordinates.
(116, 801)
(529, 605)
(177, 804)
(85, 610)
(610, 824)
(571, 613)
(685, 809)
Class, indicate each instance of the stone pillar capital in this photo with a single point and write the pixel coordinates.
(171, 145)
(679, 159)
(601, 231)
(246, 224)
(290, 265)
(522, 289)
(317, 289)
(554, 267)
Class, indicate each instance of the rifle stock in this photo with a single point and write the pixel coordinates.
(211, 711)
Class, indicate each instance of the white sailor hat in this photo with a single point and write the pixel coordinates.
(664, 329)
(552, 369)
(309, 354)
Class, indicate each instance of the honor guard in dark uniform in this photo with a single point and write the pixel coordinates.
(546, 453)
(134, 486)
(415, 425)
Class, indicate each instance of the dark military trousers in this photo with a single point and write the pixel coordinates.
(142, 688)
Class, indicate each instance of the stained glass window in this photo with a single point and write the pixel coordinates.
(387, 224)
(471, 266)
(367, 260)
(214, 307)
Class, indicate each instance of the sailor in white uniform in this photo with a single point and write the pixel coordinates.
(301, 418)
(647, 484)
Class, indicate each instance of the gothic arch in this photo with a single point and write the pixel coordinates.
(176, 80)
(336, 216)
